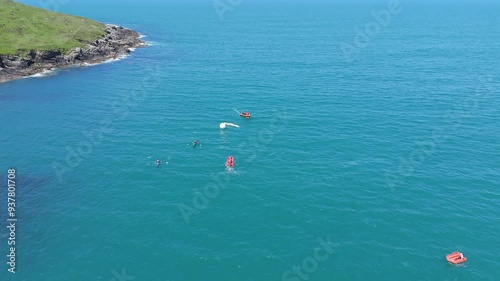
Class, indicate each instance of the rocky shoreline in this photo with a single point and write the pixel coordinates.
(117, 42)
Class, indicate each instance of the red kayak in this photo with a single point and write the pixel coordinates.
(230, 162)
(456, 258)
(245, 114)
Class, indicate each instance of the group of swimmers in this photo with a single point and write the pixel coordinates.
(244, 114)
(158, 161)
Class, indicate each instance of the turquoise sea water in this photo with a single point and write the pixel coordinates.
(389, 156)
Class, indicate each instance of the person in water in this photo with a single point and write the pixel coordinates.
(158, 162)
(195, 143)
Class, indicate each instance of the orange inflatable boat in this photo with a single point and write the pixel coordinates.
(456, 258)
(245, 114)
(230, 162)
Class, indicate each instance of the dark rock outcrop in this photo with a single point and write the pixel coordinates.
(117, 42)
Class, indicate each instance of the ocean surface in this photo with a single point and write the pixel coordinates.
(372, 152)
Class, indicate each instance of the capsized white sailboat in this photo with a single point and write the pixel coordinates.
(224, 124)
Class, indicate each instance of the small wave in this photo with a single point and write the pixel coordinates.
(106, 61)
(150, 43)
(44, 73)
(230, 170)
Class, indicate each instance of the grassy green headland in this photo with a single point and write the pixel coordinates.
(24, 28)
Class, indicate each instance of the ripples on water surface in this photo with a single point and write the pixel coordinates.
(326, 139)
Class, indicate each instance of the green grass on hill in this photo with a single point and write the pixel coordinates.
(24, 28)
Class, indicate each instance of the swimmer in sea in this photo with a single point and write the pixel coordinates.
(195, 143)
(158, 162)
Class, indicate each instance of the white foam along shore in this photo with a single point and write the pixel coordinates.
(105, 61)
(44, 73)
(121, 57)
(53, 71)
